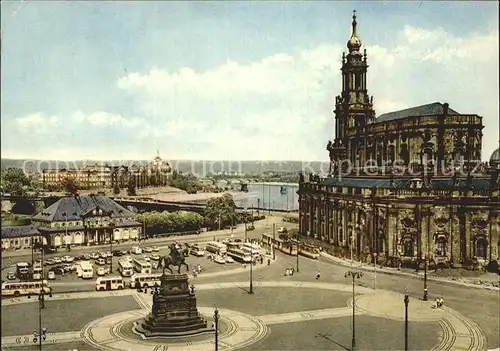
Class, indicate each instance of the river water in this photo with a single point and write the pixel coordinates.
(268, 196)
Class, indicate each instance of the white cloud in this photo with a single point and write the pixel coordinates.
(280, 107)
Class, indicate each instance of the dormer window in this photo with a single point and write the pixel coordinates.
(94, 212)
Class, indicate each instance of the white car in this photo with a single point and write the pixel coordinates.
(136, 250)
(155, 257)
(51, 275)
(229, 259)
(101, 271)
(219, 260)
(281, 230)
(100, 261)
(94, 255)
(155, 249)
(49, 262)
(56, 260)
(147, 250)
(108, 254)
(67, 259)
(146, 258)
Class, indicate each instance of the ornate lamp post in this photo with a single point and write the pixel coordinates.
(375, 271)
(425, 297)
(41, 334)
(298, 244)
(406, 301)
(354, 275)
(216, 322)
(251, 276)
(351, 234)
(111, 237)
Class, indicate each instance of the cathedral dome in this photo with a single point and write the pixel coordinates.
(495, 159)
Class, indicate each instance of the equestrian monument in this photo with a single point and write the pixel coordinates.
(174, 312)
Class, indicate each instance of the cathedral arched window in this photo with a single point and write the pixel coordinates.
(481, 248)
(408, 247)
(441, 245)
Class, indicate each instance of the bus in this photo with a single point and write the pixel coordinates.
(25, 288)
(125, 268)
(145, 280)
(109, 283)
(252, 249)
(234, 250)
(22, 270)
(141, 266)
(216, 247)
(85, 270)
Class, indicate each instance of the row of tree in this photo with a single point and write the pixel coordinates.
(170, 222)
(15, 182)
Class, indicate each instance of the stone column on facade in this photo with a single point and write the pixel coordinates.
(431, 249)
(469, 251)
(495, 236)
(454, 232)
(391, 234)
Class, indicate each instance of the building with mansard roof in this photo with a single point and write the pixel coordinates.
(404, 187)
(82, 220)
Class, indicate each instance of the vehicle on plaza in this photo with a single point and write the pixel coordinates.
(136, 250)
(125, 268)
(57, 270)
(141, 266)
(11, 275)
(100, 261)
(253, 249)
(154, 257)
(86, 257)
(49, 262)
(109, 283)
(85, 270)
(67, 259)
(234, 251)
(101, 271)
(216, 247)
(94, 255)
(309, 251)
(37, 272)
(219, 259)
(57, 260)
(155, 249)
(102, 255)
(282, 230)
(25, 288)
(146, 258)
(22, 270)
(128, 258)
(51, 275)
(117, 253)
(229, 259)
(147, 249)
(144, 280)
(108, 254)
(196, 251)
(68, 267)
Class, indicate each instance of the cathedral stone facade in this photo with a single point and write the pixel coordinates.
(404, 187)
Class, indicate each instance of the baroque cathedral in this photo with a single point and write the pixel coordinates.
(406, 187)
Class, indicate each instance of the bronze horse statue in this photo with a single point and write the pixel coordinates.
(176, 259)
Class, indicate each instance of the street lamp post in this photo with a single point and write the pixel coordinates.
(274, 240)
(425, 297)
(351, 243)
(354, 275)
(216, 322)
(111, 237)
(375, 271)
(246, 230)
(406, 301)
(41, 334)
(250, 291)
(298, 244)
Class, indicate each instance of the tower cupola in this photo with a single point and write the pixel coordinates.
(354, 43)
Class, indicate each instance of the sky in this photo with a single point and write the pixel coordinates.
(228, 80)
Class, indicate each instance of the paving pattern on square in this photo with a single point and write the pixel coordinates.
(458, 332)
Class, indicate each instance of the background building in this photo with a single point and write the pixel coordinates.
(82, 220)
(19, 237)
(405, 186)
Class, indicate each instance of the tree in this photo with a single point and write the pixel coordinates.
(131, 188)
(69, 185)
(116, 189)
(14, 181)
(221, 209)
(169, 222)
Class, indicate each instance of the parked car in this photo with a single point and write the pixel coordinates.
(117, 253)
(101, 271)
(57, 270)
(100, 261)
(220, 260)
(67, 268)
(136, 250)
(94, 255)
(147, 250)
(229, 259)
(86, 257)
(155, 249)
(51, 275)
(57, 260)
(282, 230)
(49, 262)
(11, 275)
(146, 258)
(155, 257)
(67, 259)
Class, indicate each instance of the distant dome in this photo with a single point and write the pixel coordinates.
(495, 159)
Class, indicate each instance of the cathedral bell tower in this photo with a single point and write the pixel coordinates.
(354, 107)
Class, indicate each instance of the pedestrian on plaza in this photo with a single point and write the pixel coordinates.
(287, 271)
(293, 270)
(318, 275)
(244, 265)
(261, 260)
(440, 302)
(195, 273)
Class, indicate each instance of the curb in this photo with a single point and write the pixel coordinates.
(384, 271)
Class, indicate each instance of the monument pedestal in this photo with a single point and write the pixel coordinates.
(174, 312)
